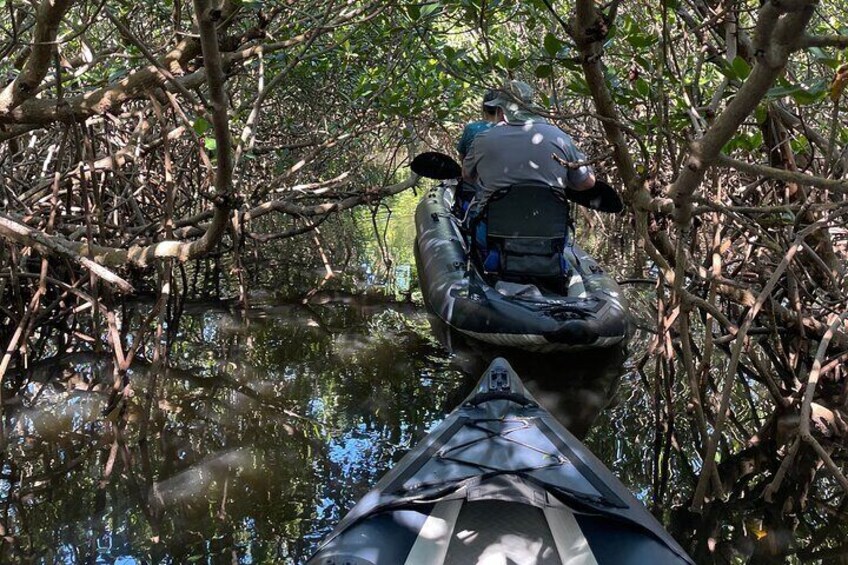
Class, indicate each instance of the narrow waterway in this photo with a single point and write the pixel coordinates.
(271, 423)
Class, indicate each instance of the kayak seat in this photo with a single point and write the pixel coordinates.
(526, 231)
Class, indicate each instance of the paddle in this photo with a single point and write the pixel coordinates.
(601, 197)
(435, 165)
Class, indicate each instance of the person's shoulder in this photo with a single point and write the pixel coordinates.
(476, 125)
(556, 133)
(487, 131)
(544, 125)
(495, 129)
(482, 127)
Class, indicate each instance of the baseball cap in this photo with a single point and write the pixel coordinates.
(516, 100)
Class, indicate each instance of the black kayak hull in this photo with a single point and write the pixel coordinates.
(595, 316)
(499, 480)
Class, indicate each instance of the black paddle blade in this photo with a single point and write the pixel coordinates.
(601, 197)
(435, 165)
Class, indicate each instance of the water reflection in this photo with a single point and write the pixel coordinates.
(575, 387)
(268, 426)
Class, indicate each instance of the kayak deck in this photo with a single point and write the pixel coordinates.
(499, 479)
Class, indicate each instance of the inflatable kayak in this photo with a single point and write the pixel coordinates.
(499, 481)
(586, 309)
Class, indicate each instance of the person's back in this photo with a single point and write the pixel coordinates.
(523, 149)
(523, 153)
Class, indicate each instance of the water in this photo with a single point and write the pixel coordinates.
(267, 428)
(264, 429)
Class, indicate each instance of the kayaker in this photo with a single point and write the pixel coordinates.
(489, 115)
(520, 148)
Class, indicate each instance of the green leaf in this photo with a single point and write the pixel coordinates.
(746, 141)
(775, 219)
(754, 141)
(552, 44)
(800, 145)
(210, 144)
(781, 91)
(118, 74)
(741, 68)
(544, 71)
(579, 86)
(572, 65)
(642, 87)
(201, 126)
(640, 40)
(805, 97)
(823, 57)
(429, 9)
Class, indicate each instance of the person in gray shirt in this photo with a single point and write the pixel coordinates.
(523, 149)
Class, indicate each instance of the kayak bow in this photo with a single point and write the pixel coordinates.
(499, 481)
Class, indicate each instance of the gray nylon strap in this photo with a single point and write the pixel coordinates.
(431, 546)
(572, 545)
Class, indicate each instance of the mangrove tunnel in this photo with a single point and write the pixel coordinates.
(213, 340)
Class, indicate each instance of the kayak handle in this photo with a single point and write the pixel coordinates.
(482, 397)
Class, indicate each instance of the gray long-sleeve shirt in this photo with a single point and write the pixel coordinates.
(521, 153)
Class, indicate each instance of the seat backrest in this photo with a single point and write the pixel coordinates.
(527, 227)
(527, 211)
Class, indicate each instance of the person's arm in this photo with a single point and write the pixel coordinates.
(468, 176)
(469, 164)
(462, 144)
(587, 181)
(580, 178)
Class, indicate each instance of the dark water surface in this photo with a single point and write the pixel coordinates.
(266, 430)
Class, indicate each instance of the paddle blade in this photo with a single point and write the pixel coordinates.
(601, 197)
(435, 165)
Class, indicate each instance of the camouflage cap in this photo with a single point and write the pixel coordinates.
(516, 100)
